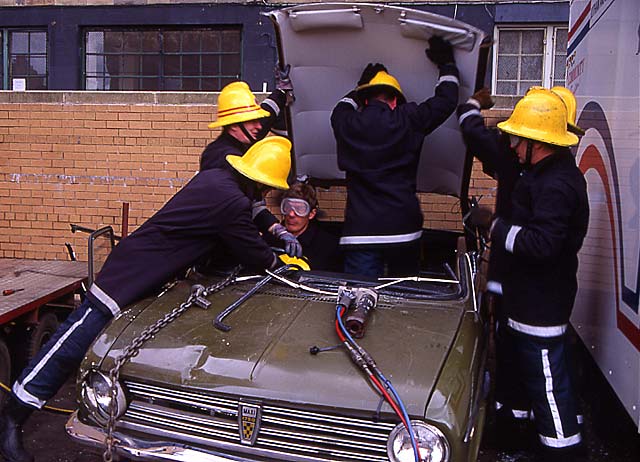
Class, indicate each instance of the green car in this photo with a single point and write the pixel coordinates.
(309, 365)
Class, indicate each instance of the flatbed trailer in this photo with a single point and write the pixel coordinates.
(35, 295)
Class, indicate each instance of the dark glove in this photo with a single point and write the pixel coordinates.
(481, 217)
(440, 51)
(283, 82)
(483, 97)
(291, 245)
(370, 72)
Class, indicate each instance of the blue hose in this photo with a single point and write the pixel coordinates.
(414, 444)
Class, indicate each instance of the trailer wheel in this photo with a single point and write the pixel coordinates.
(5, 370)
(43, 331)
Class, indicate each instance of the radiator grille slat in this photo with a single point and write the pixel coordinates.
(285, 432)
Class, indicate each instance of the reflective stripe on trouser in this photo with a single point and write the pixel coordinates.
(543, 372)
(60, 356)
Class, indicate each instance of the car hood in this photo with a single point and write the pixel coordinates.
(266, 353)
(328, 45)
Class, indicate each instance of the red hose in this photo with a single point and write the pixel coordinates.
(373, 378)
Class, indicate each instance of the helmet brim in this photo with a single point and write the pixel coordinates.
(252, 114)
(564, 140)
(238, 164)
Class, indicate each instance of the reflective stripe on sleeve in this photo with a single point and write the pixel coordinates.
(472, 112)
(349, 101)
(273, 105)
(510, 241)
(448, 78)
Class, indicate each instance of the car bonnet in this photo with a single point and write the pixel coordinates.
(266, 355)
(328, 45)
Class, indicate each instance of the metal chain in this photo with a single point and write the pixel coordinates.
(132, 350)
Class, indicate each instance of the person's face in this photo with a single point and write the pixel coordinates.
(519, 145)
(251, 126)
(295, 219)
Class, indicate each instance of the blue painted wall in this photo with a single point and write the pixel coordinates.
(65, 24)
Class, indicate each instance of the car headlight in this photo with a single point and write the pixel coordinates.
(96, 396)
(432, 445)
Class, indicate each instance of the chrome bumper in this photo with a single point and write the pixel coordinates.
(138, 449)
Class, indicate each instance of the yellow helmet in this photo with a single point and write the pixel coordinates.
(569, 101)
(384, 79)
(540, 116)
(267, 162)
(237, 104)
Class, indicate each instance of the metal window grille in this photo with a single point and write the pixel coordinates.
(528, 56)
(23, 54)
(163, 59)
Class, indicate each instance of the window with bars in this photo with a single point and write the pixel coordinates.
(23, 58)
(528, 56)
(162, 59)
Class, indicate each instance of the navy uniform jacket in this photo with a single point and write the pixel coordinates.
(210, 209)
(379, 150)
(548, 224)
(498, 161)
(215, 154)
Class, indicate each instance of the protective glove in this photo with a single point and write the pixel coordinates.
(483, 97)
(481, 217)
(440, 51)
(283, 82)
(291, 245)
(370, 72)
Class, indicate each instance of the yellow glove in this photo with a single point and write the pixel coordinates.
(299, 262)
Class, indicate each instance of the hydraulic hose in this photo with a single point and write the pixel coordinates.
(402, 411)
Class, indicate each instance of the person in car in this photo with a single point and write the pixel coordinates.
(299, 207)
(500, 161)
(244, 123)
(379, 139)
(213, 207)
(540, 242)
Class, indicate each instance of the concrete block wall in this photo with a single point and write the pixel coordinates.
(76, 157)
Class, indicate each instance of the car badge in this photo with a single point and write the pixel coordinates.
(249, 416)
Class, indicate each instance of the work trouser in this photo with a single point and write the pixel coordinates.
(533, 375)
(60, 356)
(383, 260)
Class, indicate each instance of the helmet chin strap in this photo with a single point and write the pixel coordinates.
(246, 133)
(527, 159)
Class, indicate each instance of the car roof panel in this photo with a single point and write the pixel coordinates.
(328, 45)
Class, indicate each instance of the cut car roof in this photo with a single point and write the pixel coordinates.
(329, 44)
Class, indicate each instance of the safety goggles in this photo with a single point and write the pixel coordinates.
(514, 141)
(299, 206)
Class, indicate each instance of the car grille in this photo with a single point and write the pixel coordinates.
(285, 433)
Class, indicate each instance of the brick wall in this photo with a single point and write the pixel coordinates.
(76, 157)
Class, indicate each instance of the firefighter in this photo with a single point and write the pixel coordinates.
(243, 123)
(539, 242)
(500, 161)
(379, 139)
(212, 207)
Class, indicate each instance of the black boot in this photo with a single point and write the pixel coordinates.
(11, 419)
